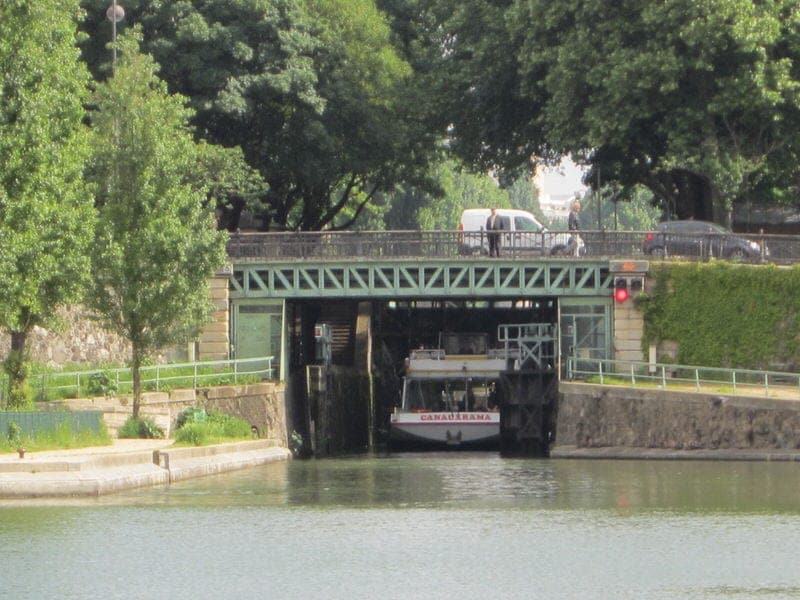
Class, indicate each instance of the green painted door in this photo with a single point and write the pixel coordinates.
(258, 332)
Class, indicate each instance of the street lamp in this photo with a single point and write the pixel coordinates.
(115, 14)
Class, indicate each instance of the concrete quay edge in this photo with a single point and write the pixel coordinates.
(630, 453)
(97, 474)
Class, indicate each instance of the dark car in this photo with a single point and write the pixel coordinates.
(699, 238)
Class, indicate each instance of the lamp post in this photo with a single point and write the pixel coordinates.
(115, 14)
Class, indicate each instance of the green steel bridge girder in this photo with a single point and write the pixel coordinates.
(420, 278)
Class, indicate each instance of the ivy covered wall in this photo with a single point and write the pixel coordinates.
(725, 315)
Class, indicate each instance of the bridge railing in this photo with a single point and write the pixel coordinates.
(337, 245)
(771, 384)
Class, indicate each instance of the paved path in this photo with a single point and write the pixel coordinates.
(116, 447)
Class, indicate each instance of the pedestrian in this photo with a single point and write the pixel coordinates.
(572, 221)
(573, 224)
(494, 224)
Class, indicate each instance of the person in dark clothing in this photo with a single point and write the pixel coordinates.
(494, 224)
(573, 224)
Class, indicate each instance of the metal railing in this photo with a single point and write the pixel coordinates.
(98, 381)
(777, 384)
(337, 245)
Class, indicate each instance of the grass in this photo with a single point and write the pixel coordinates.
(743, 388)
(215, 429)
(62, 437)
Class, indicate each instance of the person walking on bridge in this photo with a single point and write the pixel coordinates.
(573, 225)
(494, 224)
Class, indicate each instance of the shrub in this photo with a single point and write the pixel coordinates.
(724, 315)
(230, 426)
(217, 427)
(193, 414)
(101, 384)
(142, 428)
(14, 434)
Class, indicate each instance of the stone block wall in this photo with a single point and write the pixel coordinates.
(628, 332)
(593, 416)
(80, 340)
(214, 341)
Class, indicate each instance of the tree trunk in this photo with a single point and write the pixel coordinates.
(16, 369)
(136, 364)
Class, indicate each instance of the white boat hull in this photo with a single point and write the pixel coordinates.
(449, 428)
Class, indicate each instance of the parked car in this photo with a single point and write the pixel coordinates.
(699, 238)
(521, 232)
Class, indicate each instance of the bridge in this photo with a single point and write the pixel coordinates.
(379, 294)
(406, 264)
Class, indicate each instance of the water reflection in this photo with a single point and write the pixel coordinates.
(421, 526)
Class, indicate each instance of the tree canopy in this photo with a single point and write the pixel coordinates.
(313, 92)
(697, 100)
(46, 207)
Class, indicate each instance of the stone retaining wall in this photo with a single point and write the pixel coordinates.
(594, 416)
(260, 404)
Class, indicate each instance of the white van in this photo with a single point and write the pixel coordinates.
(473, 222)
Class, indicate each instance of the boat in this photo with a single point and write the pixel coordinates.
(449, 401)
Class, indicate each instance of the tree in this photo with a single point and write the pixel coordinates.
(620, 209)
(696, 100)
(46, 209)
(524, 195)
(311, 90)
(156, 243)
(415, 208)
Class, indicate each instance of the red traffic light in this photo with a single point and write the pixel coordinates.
(621, 293)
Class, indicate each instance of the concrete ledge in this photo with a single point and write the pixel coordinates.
(622, 453)
(78, 463)
(169, 455)
(93, 483)
(201, 466)
(97, 471)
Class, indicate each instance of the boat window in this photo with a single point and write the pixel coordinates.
(451, 395)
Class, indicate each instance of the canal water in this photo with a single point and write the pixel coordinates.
(421, 526)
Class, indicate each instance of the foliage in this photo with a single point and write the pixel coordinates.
(725, 315)
(412, 207)
(46, 213)
(61, 437)
(101, 384)
(14, 434)
(695, 99)
(231, 184)
(193, 414)
(625, 210)
(524, 195)
(156, 244)
(311, 90)
(16, 368)
(140, 428)
(217, 427)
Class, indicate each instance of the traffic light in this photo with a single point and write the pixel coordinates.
(621, 293)
(625, 287)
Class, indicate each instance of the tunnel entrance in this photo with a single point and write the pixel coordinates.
(342, 394)
(520, 390)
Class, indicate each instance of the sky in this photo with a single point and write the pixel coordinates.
(565, 179)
